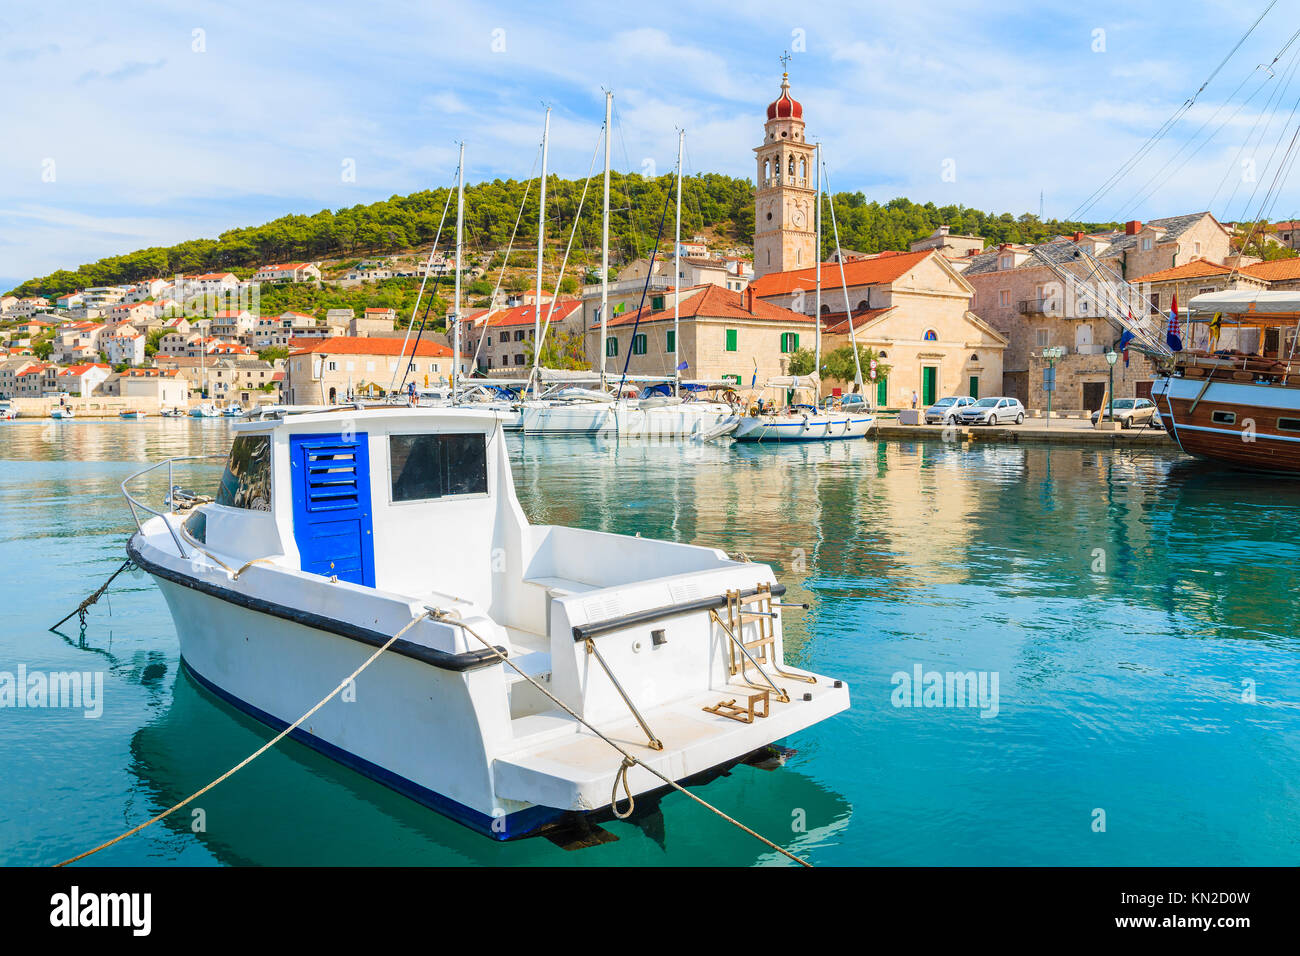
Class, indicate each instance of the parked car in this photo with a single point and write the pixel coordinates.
(853, 402)
(1130, 412)
(946, 411)
(993, 411)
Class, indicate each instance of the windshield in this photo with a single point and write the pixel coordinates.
(943, 402)
(986, 403)
(1123, 403)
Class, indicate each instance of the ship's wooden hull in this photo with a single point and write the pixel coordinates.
(1241, 424)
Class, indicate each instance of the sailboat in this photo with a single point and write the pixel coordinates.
(802, 419)
(634, 413)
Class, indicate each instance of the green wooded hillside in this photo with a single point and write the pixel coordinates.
(721, 207)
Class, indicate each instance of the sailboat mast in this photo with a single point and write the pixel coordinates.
(677, 272)
(604, 243)
(817, 253)
(541, 241)
(460, 221)
(844, 287)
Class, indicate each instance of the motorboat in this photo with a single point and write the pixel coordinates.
(60, 412)
(522, 641)
(233, 411)
(799, 421)
(205, 411)
(131, 415)
(7, 412)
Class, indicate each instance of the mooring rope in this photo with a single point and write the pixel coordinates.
(85, 605)
(628, 759)
(261, 750)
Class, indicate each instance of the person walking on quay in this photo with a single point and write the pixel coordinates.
(914, 398)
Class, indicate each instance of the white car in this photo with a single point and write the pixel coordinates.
(947, 411)
(994, 411)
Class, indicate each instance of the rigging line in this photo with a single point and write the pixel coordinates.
(636, 323)
(506, 261)
(1279, 92)
(627, 187)
(1269, 165)
(1138, 198)
(1260, 132)
(1275, 188)
(564, 263)
(425, 278)
(1168, 124)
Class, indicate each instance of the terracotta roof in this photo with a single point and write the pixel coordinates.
(523, 314)
(348, 345)
(1188, 270)
(1276, 270)
(714, 302)
(885, 267)
(839, 325)
(284, 267)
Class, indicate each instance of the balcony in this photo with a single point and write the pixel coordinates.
(1047, 306)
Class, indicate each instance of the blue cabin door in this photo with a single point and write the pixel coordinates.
(331, 506)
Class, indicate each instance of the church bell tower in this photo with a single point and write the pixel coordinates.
(785, 202)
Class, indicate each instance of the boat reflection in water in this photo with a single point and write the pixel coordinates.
(293, 806)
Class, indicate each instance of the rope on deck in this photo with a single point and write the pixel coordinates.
(261, 750)
(628, 759)
(84, 606)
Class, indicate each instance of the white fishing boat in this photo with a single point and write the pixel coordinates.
(332, 531)
(131, 415)
(233, 411)
(799, 421)
(205, 411)
(60, 412)
(7, 412)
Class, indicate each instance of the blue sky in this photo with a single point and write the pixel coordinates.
(135, 123)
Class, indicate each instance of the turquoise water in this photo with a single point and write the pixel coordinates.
(1136, 608)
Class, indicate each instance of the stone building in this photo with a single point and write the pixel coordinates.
(1022, 298)
(503, 338)
(913, 307)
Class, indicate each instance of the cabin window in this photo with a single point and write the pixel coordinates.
(246, 482)
(1288, 424)
(1224, 418)
(423, 467)
(196, 526)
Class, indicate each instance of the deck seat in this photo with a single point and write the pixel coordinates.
(562, 587)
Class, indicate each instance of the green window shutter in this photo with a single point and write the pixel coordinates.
(795, 336)
(731, 340)
(611, 346)
(656, 302)
(672, 341)
(638, 344)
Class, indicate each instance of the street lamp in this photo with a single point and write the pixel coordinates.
(1111, 358)
(1051, 353)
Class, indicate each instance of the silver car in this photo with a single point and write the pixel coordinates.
(947, 411)
(993, 411)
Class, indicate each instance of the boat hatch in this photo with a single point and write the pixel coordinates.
(331, 506)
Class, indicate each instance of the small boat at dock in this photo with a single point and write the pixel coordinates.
(205, 411)
(61, 412)
(799, 422)
(315, 552)
(131, 416)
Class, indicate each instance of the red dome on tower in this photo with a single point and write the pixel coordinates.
(785, 106)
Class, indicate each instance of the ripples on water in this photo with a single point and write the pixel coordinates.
(1120, 687)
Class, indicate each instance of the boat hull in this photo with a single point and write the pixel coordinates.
(629, 420)
(1238, 424)
(818, 428)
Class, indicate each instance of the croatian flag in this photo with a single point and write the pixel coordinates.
(1124, 341)
(1172, 336)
